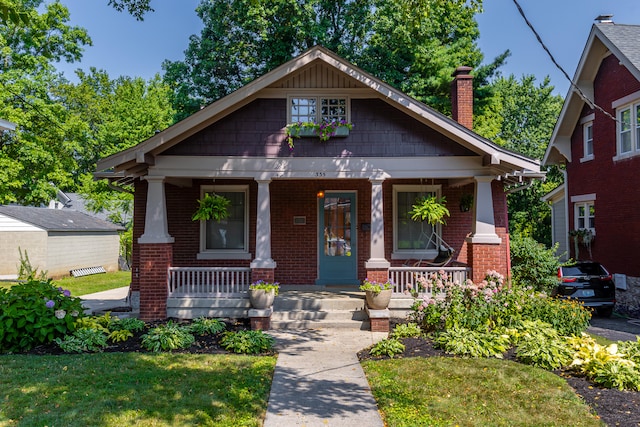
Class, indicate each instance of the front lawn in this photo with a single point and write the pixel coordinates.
(89, 284)
(134, 389)
(446, 391)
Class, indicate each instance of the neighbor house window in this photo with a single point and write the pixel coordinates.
(412, 239)
(585, 215)
(230, 235)
(628, 126)
(588, 140)
(318, 109)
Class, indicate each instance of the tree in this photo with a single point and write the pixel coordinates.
(521, 117)
(39, 153)
(413, 45)
(136, 8)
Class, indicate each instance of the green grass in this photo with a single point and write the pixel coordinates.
(133, 389)
(443, 391)
(89, 284)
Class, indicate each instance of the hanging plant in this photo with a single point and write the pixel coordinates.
(212, 206)
(324, 130)
(466, 202)
(431, 209)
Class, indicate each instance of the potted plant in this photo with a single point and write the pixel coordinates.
(431, 209)
(212, 206)
(377, 294)
(262, 294)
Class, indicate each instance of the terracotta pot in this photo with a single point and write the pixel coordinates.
(261, 299)
(378, 301)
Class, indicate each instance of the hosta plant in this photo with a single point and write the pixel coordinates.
(120, 335)
(167, 337)
(474, 343)
(387, 347)
(406, 330)
(83, 340)
(540, 345)
(247, 342)
(206, 326)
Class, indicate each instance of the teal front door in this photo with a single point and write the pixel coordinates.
(338, 264)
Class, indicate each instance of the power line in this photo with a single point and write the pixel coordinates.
(582, 95)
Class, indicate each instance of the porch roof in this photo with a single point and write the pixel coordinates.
(493, 159)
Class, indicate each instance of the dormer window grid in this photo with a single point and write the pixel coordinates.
(318, 109)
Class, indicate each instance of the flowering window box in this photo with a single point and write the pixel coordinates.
(324, 131)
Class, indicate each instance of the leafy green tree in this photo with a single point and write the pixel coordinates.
(39, 153)
(413, 45)
(521, 116)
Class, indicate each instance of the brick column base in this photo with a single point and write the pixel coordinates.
(155, 260)
(379, 320)
(260, 319)
(378, 275)
(484, 257)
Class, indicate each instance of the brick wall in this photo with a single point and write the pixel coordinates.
(155, 259)
(617, 217)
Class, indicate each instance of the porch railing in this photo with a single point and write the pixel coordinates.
(405, 278)
(220, 282)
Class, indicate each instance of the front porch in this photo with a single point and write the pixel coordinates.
(222, 292)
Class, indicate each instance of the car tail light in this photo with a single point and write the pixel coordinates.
(609, 277)
(569, 279)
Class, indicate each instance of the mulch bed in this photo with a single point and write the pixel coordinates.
(614, 407)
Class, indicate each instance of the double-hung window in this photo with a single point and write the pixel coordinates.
(412, 239)
(587, 137)
(228, 238)
(628, 130)
(318, 109)
(585, 216)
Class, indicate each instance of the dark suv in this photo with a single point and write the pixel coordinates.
(590, 283)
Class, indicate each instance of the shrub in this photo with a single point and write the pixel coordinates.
(406, 330)
(387, 347)
(35, 312)
(83, 340)
(247, 342)
(128, 323)
(204, 326)
(533, 264)
(167, 337)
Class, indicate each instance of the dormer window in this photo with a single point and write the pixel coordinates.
(317, 109)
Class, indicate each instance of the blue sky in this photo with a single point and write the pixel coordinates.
(124, 46)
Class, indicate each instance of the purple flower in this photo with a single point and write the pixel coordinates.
(66, 293)
(50, 304)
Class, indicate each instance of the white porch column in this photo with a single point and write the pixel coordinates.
(484, 226)
(263, 228)
(377, 259)
(155, 222)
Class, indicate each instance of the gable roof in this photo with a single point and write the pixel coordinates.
(57, 219)
(133, 162)
(604, 38)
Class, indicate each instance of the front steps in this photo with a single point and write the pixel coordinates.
(309, 307)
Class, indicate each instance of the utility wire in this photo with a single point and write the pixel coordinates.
(582, 95)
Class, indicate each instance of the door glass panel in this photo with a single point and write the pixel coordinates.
(337, 226)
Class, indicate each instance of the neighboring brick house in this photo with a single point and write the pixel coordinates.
(324, 213)
(599, 143)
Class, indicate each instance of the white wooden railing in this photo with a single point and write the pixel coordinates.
(219, 282)
(404, 276)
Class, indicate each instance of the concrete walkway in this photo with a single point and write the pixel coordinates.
(105, 300)
(318, 379)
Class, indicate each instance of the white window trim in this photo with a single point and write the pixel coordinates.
(635, 142)
(583, 198)
(412, 253)
(315, 94)
(225, 253)
(576, 206)
(585, 156)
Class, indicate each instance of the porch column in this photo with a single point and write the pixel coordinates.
(484, 224)
(155, 222)
(377, 261)
(156, 253)
(263, 258)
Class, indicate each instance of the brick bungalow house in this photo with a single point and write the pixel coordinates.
(598, 142)
(326, 212)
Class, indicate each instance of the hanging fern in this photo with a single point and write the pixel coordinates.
(430, 209)
(212, 206)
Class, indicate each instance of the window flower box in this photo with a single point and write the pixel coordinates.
(324, 131)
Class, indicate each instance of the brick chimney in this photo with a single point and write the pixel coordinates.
(462, 97)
